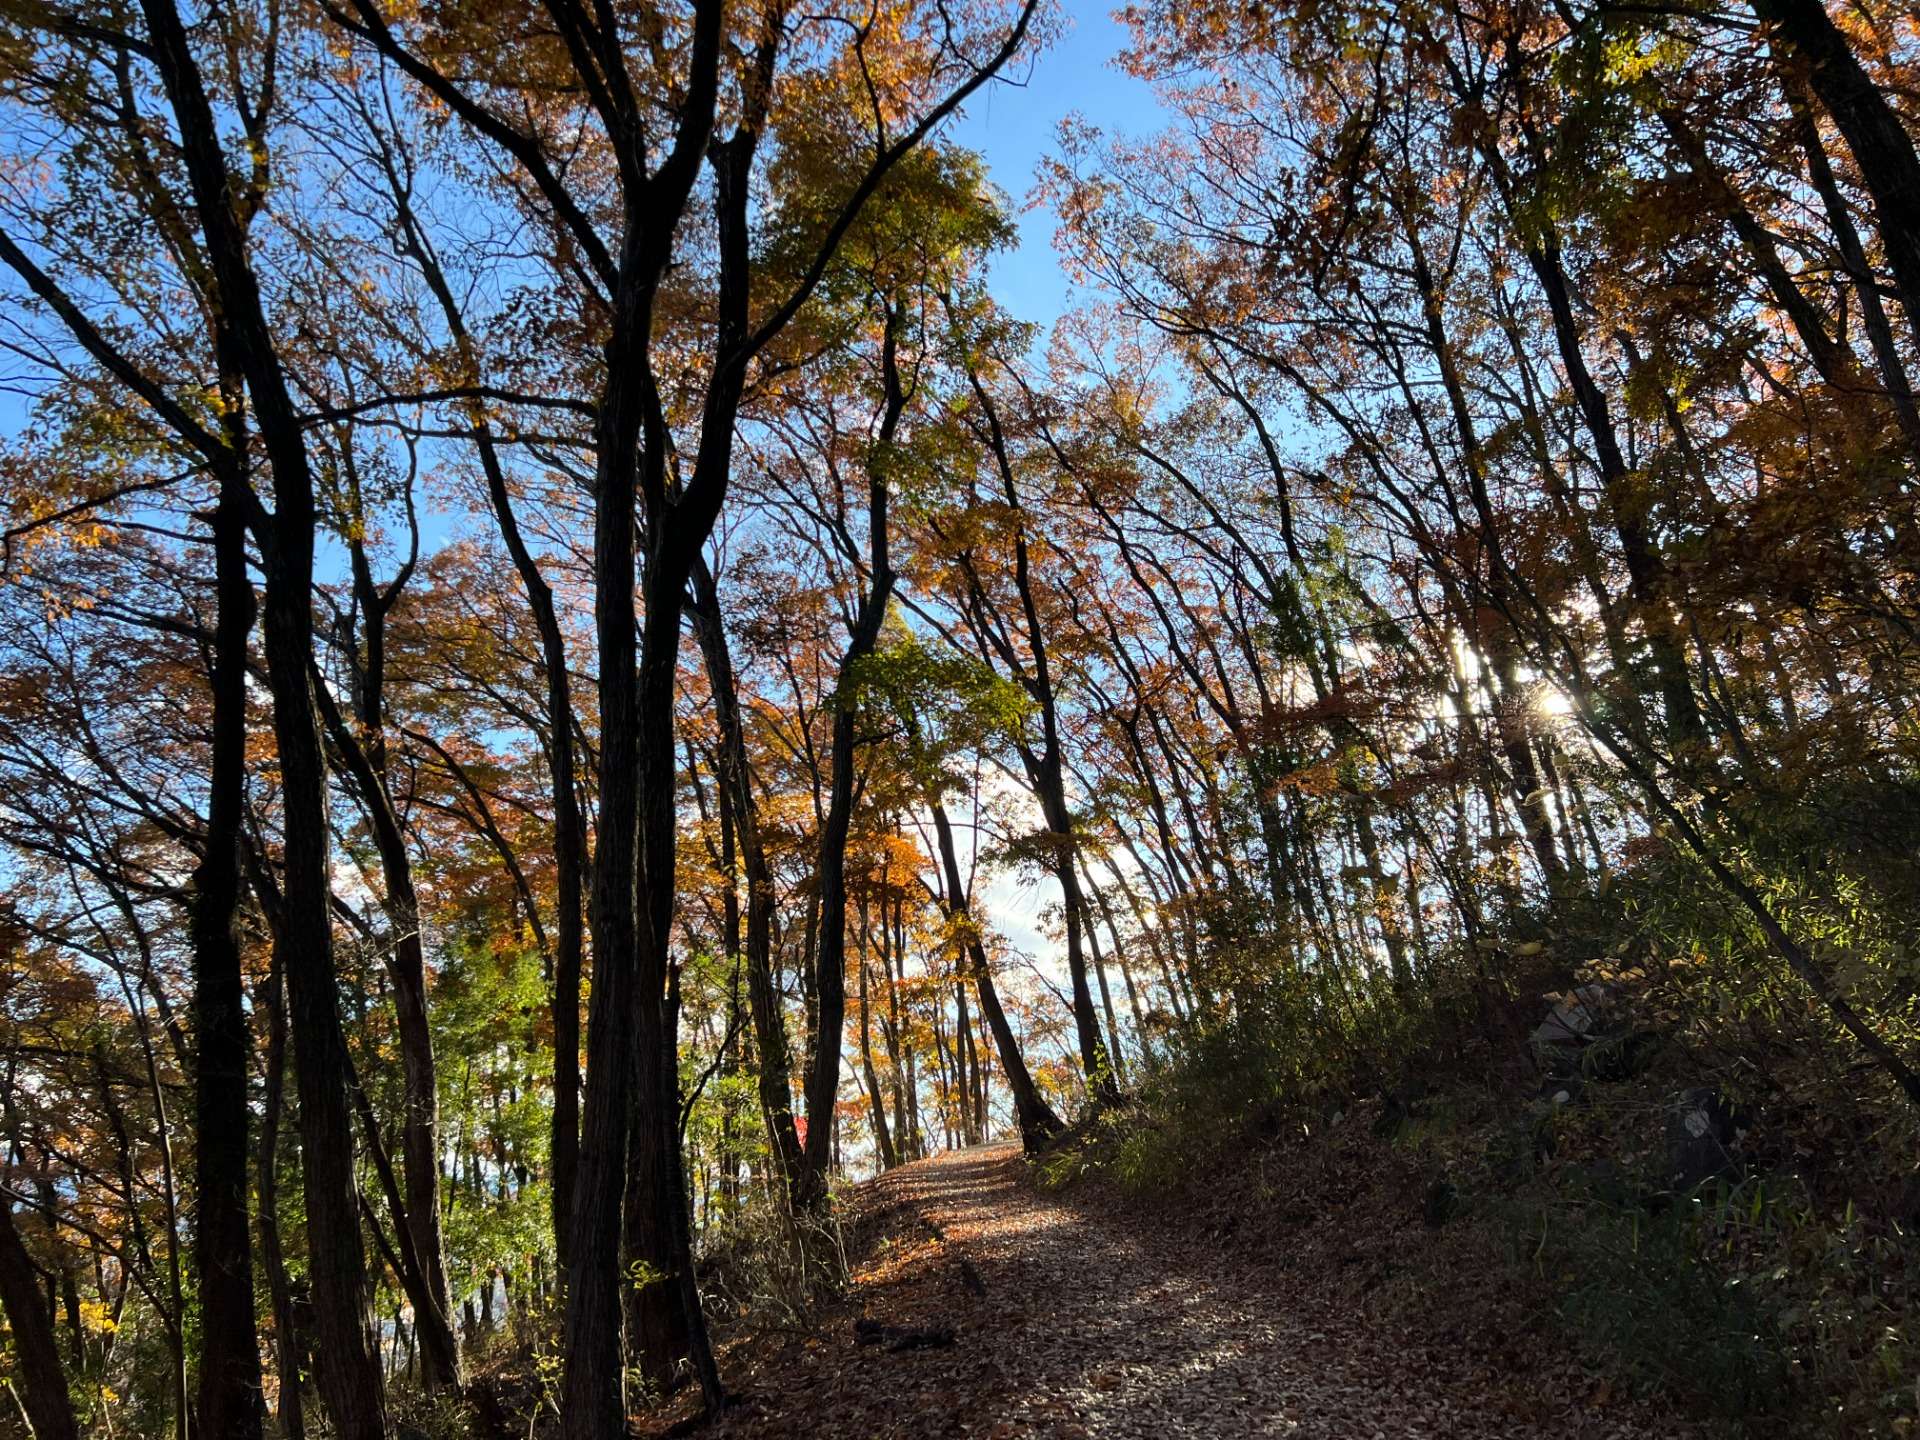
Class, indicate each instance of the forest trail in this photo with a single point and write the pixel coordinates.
(1073, 1319)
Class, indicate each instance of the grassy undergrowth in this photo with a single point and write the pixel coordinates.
(1776, 1296)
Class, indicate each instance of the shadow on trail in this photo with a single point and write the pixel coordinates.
(1099, 1327)
(1073, 1318)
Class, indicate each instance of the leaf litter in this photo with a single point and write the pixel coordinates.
(1078, 1315)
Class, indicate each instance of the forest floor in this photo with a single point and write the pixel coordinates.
(1083, 1313)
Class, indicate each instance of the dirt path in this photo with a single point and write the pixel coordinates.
(1073, 1320)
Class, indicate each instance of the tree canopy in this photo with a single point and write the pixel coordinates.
(547, 607)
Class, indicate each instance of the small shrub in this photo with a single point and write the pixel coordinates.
(770, 1268)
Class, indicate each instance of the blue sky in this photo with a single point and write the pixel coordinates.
(1015, 125)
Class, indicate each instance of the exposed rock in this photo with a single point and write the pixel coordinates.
(1558, 1090)
(1701, 1132)
(1577, 1016)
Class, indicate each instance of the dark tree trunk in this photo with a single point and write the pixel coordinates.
(830, 979)
(1496, 640)
(775, 1075)
(1881, 146)
(569, 825)
(1832, 357)
(727, 1161)
(1126, 969)
(967, 1062)
(420, 1101)
(882, 1139)
(593, 1401)
(1044, 768)
(289, 1351)
(1048, 780)
(823, 1083)
(229, 1396)
(1866, 285)
(36, 1352)
(633, 879)
(629, 1089)
(1631, 509)
(657, 1329)
(1037, 1121)
(349, 1368)
(1106, 991)
(676, 1321)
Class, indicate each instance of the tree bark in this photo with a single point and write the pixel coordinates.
(229, 1400)
(1044, 767)
(882, 1139)
(420, 1097)
(823, 1083)
(45, 1383)
(569, 825)
(774, 1071)
(288, 1350)
(349, 1369)
(1037, 1121)
(1881, 146)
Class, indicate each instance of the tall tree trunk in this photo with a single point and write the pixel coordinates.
(676, 1320)
(35, 1349)
(893, 962)
(1037, 1121)
(727, 1161)
(229, 1400)
(1106, 996)
(967, 1064)
(1102, 1079)
(569, 825)
(593, 1402)
(570, 863)
(628, 1090)
(1881, 146)
(979, 1041)
(823, 1083)
(882, 1138)
(349, 1368)
(289, 1413)
(1631, 509)
(1126, 969)
(420, 1091)
(1044, 767)
(775, 1075)
(1865, 284)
